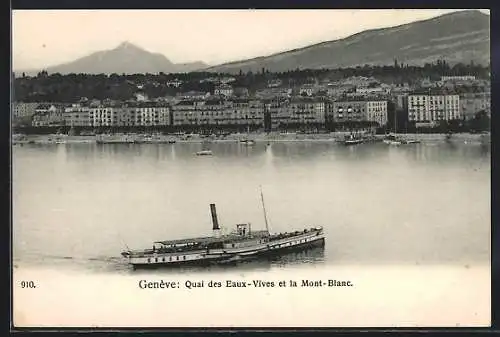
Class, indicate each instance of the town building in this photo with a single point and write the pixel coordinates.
(472, 103)
(193, 95)
(336, 90)
(219, 112)
(141, 96)
(458, 78)
(186, 112)
(376, 111)
(304, 111)
(174, 83)
(270, 93)
(274, 83)
(152, 114)
(240, 92)
(433, 108)
(374, 90)
(77, 115)
(104, 116)
(308, 90)
(223, 90)
(276, 110)
(23, 110)
(48, 114)
(227, 80)
(358, 111)
(246, 112)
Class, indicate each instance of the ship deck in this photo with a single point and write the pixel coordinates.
(209, 239)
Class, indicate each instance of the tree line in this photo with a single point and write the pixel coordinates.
(68, 88)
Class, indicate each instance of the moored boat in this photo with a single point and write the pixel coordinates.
(241, 244)
(204, 153)
(248, 142)
(353, 139)
(392, 140)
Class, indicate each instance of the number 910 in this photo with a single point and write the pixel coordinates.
(28, 284)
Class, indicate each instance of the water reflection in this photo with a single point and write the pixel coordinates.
(426, 202)
(112, 264)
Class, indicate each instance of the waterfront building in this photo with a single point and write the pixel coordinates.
(433, 108)
(152, 114)
(246, 111)
(219, 112)
(298, 111)
(23, 110)
(346, 111)
(305, 111)
(358, 111)
(276, 110)
(77, 115)
(376, 111)
(185, 112)
(472, 103)
(48, 114)
(104, 116)
(142, 114)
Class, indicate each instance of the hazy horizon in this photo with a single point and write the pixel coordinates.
(42, 39)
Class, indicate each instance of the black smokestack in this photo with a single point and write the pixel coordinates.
(214, 217)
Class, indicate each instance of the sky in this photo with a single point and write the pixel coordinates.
(51, 37)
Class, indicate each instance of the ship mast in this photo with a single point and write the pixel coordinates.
(264, 209)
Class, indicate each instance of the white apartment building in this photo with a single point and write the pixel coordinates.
(103, 116)
(376, 111)
(433, 108)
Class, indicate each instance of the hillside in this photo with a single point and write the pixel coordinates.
(457, 37)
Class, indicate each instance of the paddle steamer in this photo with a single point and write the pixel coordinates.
(241, 244)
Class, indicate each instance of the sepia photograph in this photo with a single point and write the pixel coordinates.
(251, 168)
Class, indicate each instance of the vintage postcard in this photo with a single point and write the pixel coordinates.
(251, 168)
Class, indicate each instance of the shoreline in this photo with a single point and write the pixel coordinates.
(333, 137)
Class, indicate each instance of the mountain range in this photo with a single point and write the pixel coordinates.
(126, 58)
(462, 36)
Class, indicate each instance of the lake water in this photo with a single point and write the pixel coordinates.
(408, 225)
(418, 204)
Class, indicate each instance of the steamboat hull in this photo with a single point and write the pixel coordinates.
(203, 259)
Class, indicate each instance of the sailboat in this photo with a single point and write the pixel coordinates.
(392, 139)
(247, 141)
